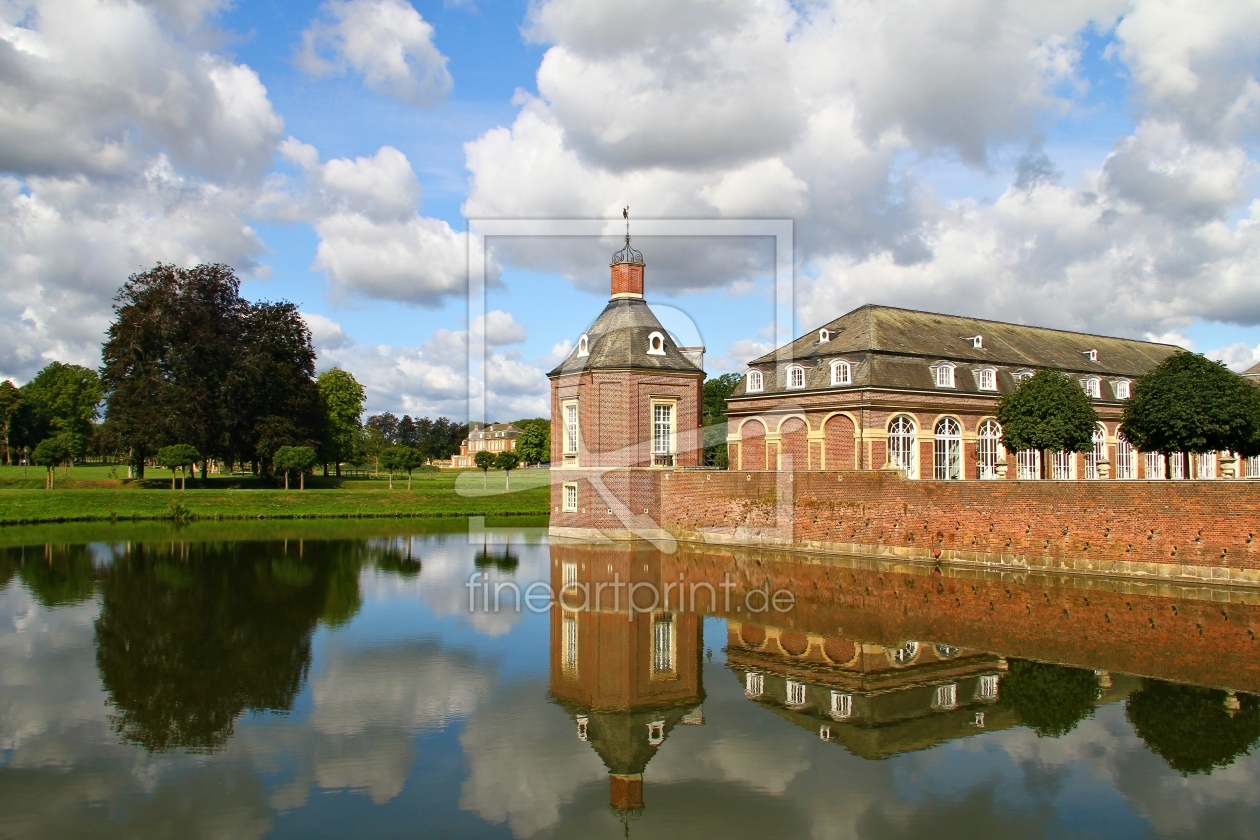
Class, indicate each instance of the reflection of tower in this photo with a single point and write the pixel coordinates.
(626, 683)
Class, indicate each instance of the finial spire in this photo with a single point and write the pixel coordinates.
(627, 254)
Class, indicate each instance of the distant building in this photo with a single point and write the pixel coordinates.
(1253, 373)
(494, 438)
(885, 387)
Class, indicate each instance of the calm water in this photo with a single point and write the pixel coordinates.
(333, 682)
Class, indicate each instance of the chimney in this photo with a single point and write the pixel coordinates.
(625, 792)
(627, 268)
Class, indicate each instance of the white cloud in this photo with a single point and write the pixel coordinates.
(499, 328)
(1238, 356)
(326, 334)
(385, 41)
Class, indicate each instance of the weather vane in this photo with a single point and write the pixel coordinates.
(627, 254)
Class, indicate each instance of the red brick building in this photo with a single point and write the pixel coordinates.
(884, 387)
(627, 396)
(493, 438)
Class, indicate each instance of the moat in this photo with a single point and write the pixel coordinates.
(356, 680)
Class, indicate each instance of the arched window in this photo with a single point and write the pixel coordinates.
(986, 379)
(1126, 459)
(1121, 388)
(656, 344)
(1092, 386)
(903, 445)
(987, 441)
(754, 382)
(841, 373)
(947, 452)
(1096, 455)
(582, 344)
(795, 376)
(943, 374)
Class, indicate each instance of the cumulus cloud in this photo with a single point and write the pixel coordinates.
(387, 42)
(1238, 356)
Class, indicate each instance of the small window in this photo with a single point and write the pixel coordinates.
(944, 374)
(582, 344)
(1021, 376)
(1092, 386)
(570, 497)
(754, 684)
(988, 689)
(987, 379)
(946, 696)
(1092, 355)
(1121, 389)
(841, 373)
(795, 693)
(583, 722)
(977, 341)
(906, 654)
(656, 733)
(754, 382)
(823, 336)
(824, 733)
(796, 376)
(841, 705)
(656, 344)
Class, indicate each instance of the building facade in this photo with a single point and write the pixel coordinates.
(493, 438)
(882, 387)
(626, 396)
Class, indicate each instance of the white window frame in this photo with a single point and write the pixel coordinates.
(1126, 459)
(583, 345)
(794, 371)
(1252, 467)
(988, 448)
(1096, 455)
(754, 684)
(569, 633)
(794, 693)
(824, 336)
(1122, 388)
(656, 344)
(986, 379)
(1091, 354)
(656, 733)
(977, 341)
(663, 645)
(947, 453)
(988, 687)
(943, 375)
(664, 446)
(569, 569)
(569, 498)
(841, 372)
(1156, 469)
(841, 705)
(1205, 465)
(906, 654)
(946, 697)
(1028, 464)
(755, 382)
(572, 429)
(1177, 466)
(1092, 387)
(1064, 465)
(903, 444)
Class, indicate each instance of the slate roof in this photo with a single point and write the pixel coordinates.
(1253, 371)
(895, 348)
(619, 340)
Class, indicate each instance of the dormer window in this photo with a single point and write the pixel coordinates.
(1022, 376)
(1121, 389)
(824, 336)
(1092, 386)
(795, 376)
(754, 382)
(656, 344)
(582, 345)
(986, 379)
(841, 373)
(943, 374)
(1092, 355)
(977, 341)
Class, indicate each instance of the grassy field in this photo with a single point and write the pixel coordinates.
(96, 493)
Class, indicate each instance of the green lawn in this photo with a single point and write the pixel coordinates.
(93, 493)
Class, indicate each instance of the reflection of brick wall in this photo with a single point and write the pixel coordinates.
(1089, 526)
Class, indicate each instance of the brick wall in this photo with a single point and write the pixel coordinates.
(1165, 528)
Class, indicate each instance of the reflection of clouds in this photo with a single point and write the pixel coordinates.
(525, 761)
(448, 565)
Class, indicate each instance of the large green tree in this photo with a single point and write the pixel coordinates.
(1050, 699)
(713, 414)
(179, 456)
(1048, 411)
(10, 398)
(297, 459)
(1190, 727)
(534, 444)
(341, 401)
(60, 401)
(1189, 403)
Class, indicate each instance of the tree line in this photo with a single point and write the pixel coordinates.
(192, 373)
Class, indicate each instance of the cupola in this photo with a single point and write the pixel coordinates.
(627, 268)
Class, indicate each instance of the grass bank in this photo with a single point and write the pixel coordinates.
(90, 494)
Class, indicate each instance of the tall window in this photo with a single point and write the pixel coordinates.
(987, 448)
(795, 693)
(902, 445)
(988, 688)
(570, 497)
(947, 452)
(946, 696)
(1177, 466)
(1155, 465)
(663, 644)
(1029, 464)
(570, 429)
(796, 376)
(987, 379)
(754, 684)
(944, 375)
(662, 429)
(1253, 467)
(754, 381)
(841, 373)
(570, 661)
(1092, 386)
(1096, 455)
(841, 705)
(1126, 459)
(570, 573)
(1063, 464)
(1121, 388)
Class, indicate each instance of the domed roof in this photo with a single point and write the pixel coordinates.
(620, 338)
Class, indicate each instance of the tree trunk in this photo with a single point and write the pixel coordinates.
(172, 478)
(286, 479)
(484, 475)
(183, 478)
(507, 480)
(52, 478)
(408, 481)
(325, 469)
(204, 463)
(338, 469)
(302, 480)
(391, 479)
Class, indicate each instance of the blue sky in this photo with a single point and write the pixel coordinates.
(1087, 165)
